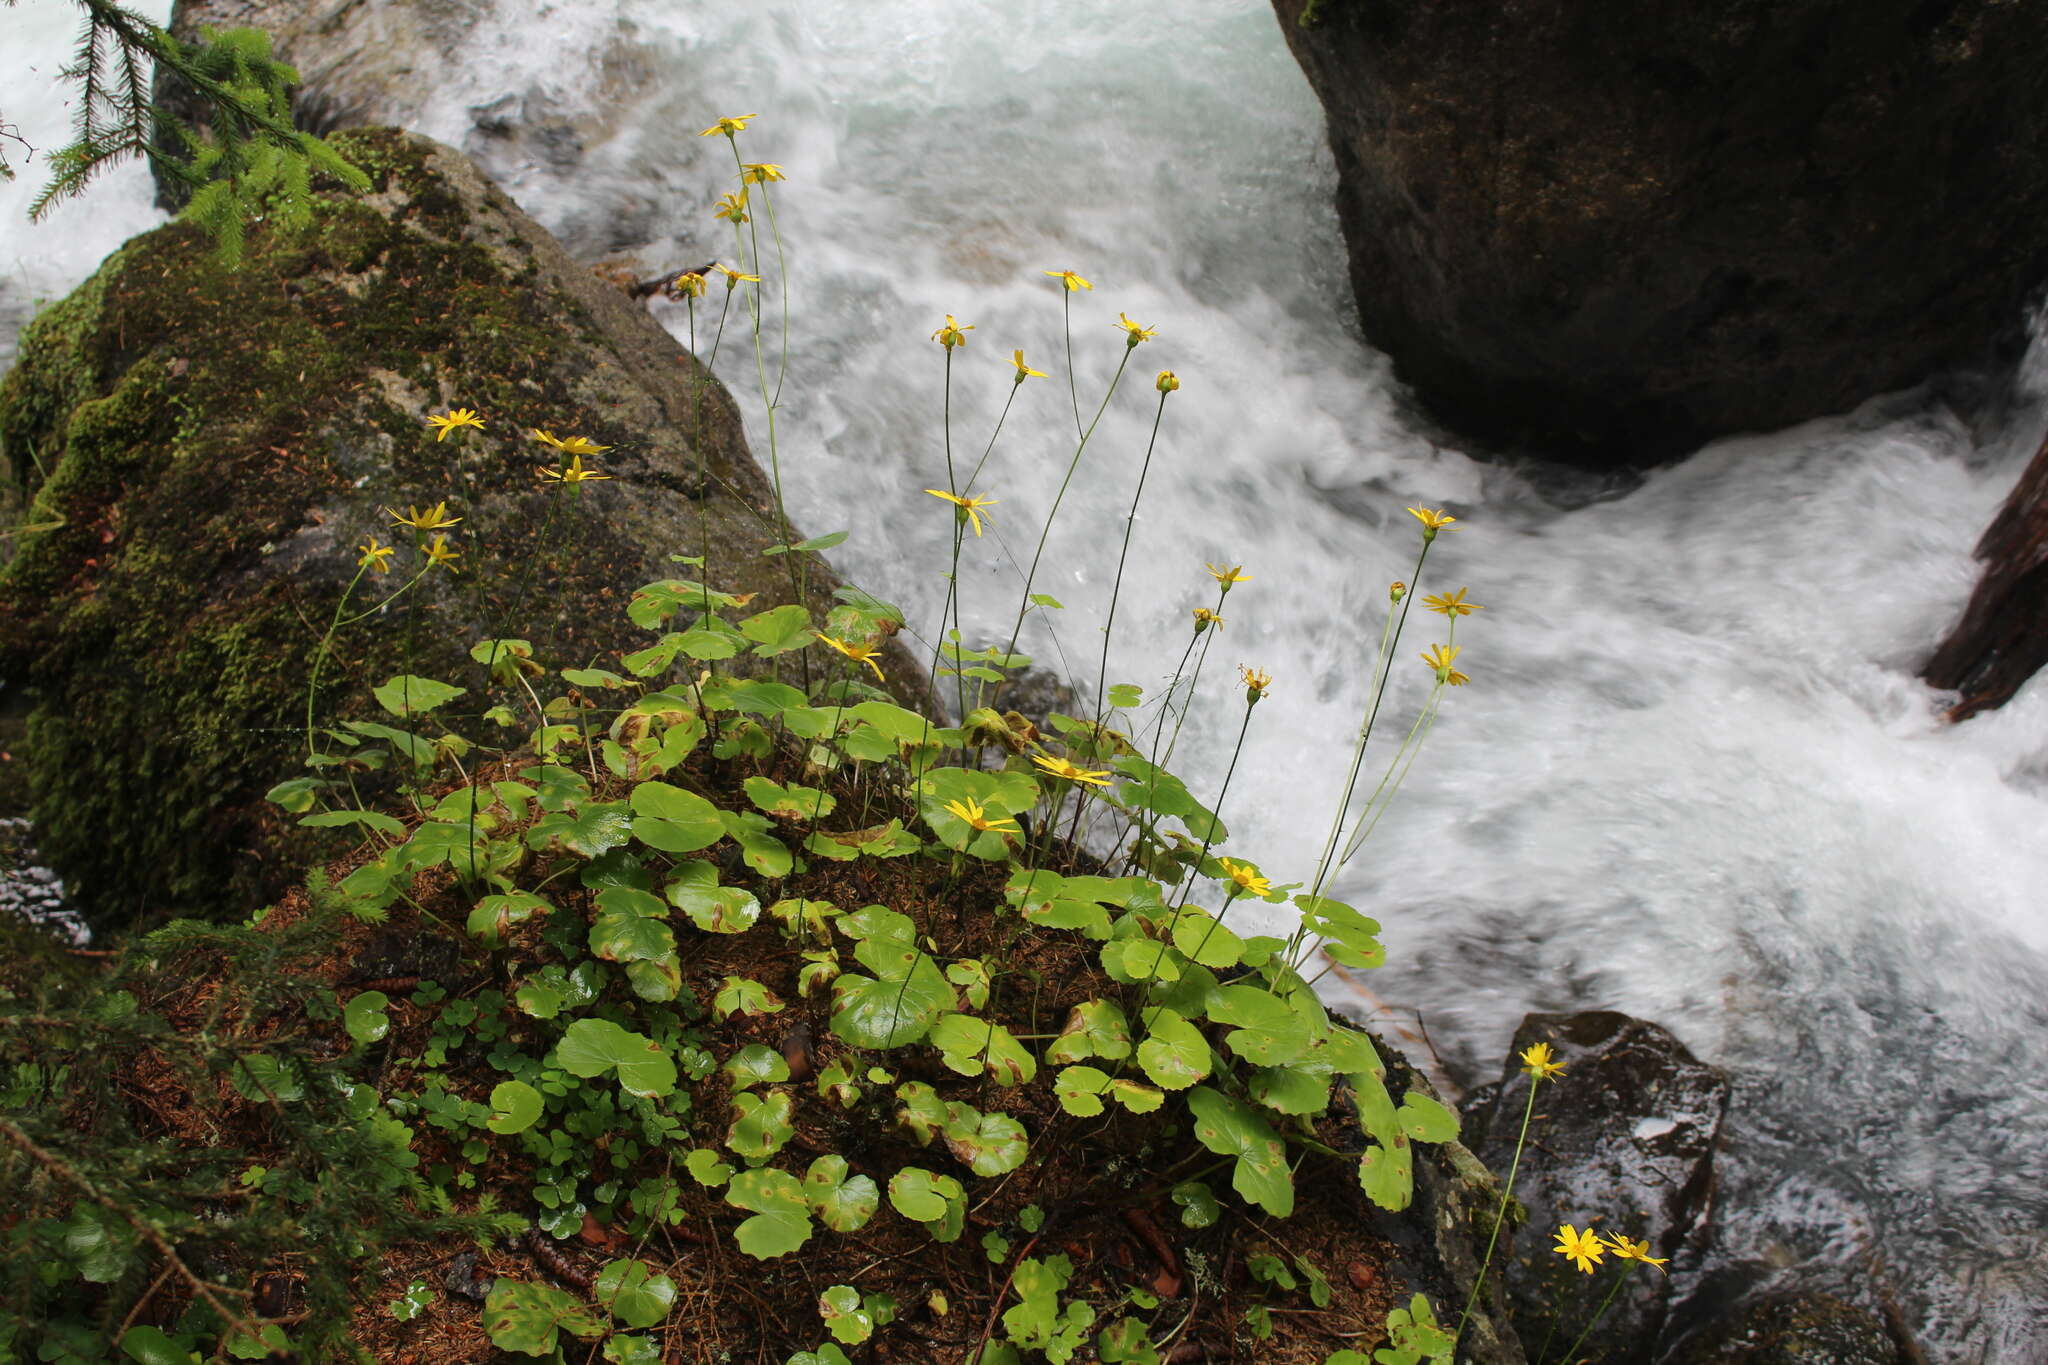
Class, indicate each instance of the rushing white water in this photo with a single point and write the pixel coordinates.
(1694, 777)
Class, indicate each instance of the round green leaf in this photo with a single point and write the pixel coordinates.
(591, 1047)
(149, 1346)
(843, 1203)
(840, 1307)
(514, 1107)
(365, 1018)
(781, 1221)
(921, 1195)
(756, 1064)
(635, 1295)
(1174, 1053)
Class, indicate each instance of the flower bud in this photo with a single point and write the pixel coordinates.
(1167, 382)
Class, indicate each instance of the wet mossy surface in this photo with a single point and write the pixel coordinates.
(208, 446)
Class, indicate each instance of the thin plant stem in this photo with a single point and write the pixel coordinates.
(1067, 326)
(1499, 1214)
(1598, 1313)
(1123, 554)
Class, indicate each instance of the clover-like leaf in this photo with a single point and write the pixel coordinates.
(514, 1107)
(1230, 1127)
(843, 1202)
(1174, 1053)
(781, 1221)
(365, 1018)
(632, 1291)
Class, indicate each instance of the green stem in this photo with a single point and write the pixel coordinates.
(1500, 1214)
(1599, 1313)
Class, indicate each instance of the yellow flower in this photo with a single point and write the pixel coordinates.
(690, 285)
(970, 508)
(1396, 590)
(437, 552)
(1439, 657)
(575, 473)
(1025, 371)
(732, 207)
(1205, 618)
(736, 124)
(972, 813)
(761, 172)
(1255, 684)
(952, 334)
(568, 445)
(1245, 879)
(376, 558)
(1582, 1249)
(1635, 1251)
(451, 420)
(1540, 1063)
(1133, 333)
(860, 654)
(433, 519)
(1167, 382)
(734, 278)
(1069, 279)
(1432, 522)
(1453, 604)
(1060, 767)
(1229, 577)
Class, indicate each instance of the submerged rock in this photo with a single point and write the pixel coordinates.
(1610, 232)
(1622, 1144)
(2002, 638)
(205, 449)
(1790, 1329)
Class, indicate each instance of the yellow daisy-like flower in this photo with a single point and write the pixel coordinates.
(376, 558)
(736, 124)
(1432, 522)
(1452, 604)
(568, 445)
(433, 519)
(734, 278)
(1229, 577)
(1025, 371)
(732, 207)
(952, 334)
(1245, 879)
(860, 654)
(1072, 772)
(1439, 657)
(1167, 382)
(971, 812)
(1582, 1249)
(1256, 684)
(452, 420)
(1205, 618)
(1070, 280)
(1635, 1251)
(690, 285)
(1133, 333)
(761, 172)
(1541, 1063)
(970, 508)
(438, 553)
(573, 473)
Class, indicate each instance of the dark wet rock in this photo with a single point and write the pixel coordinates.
(2002, 639)
(1610, 232)
(31, 892)
(207, 447)
(1622, 1143)
(1790, 1329)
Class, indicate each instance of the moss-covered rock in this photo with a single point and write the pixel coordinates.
(204, 449)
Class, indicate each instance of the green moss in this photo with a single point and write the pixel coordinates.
(213, 442)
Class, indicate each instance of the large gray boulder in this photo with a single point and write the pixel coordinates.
(1611, 232)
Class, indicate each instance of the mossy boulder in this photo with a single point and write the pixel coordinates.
(201, 450)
